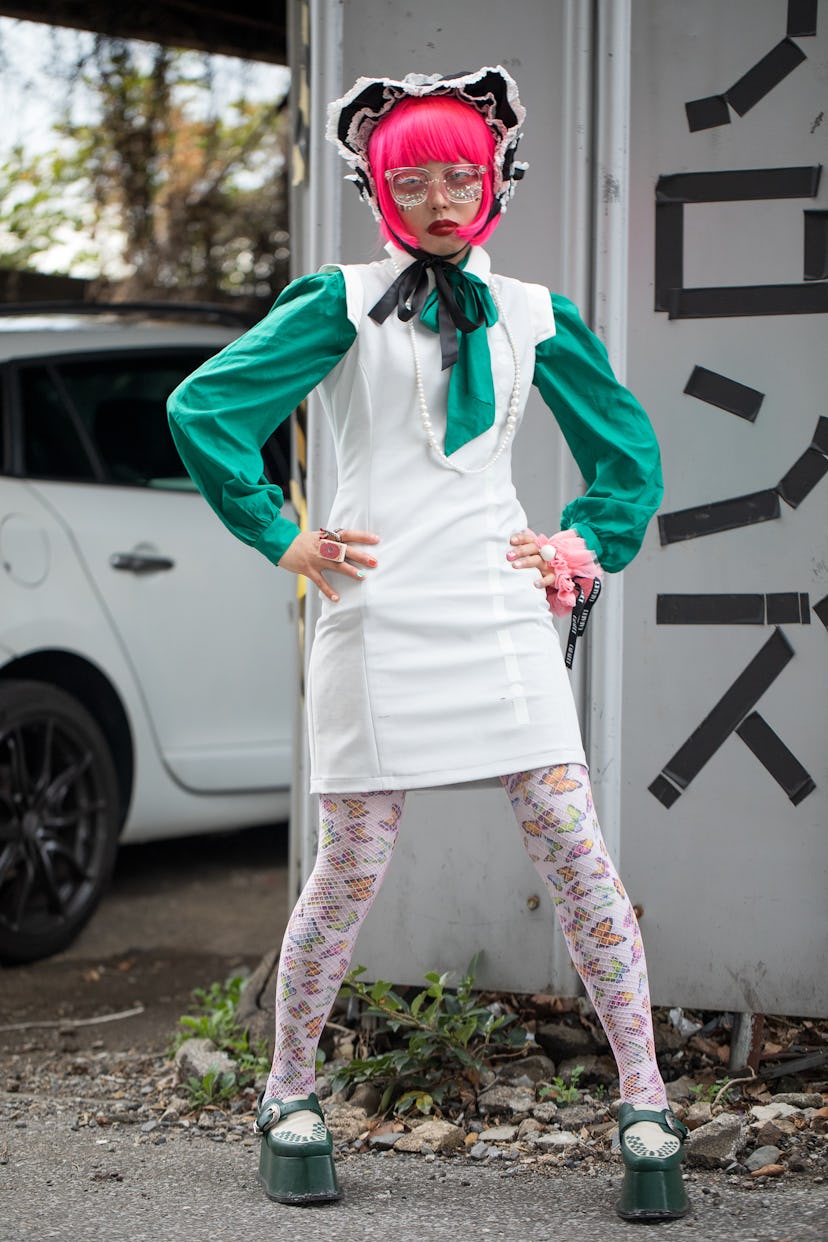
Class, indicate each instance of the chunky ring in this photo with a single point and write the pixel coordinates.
(331, 548)
(548, 552)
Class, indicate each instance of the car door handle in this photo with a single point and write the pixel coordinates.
(140, 562)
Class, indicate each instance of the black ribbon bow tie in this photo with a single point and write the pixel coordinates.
(408, 294)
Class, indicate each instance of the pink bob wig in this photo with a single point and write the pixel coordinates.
(439, 128)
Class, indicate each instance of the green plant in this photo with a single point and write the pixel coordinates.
(213, 1088)
(561, 1091)
(444, 1032)
(711, 1092)
(215, 1019)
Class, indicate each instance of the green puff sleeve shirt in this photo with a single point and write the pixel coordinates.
(223, 414)
(608, 434)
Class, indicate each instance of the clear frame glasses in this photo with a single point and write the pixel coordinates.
(461, 183)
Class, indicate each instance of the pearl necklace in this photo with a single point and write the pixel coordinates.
(514, 400)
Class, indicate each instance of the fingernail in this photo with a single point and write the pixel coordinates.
(514, 539)
(510, 556)
(334, 599)
(360, 574)
(537, 583)
(372, 562)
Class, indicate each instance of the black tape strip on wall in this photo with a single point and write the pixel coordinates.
(821, 610)
(739, 699)
(669, 252)
(710, 610)
(787, 608)
(802, 18)
(664, 791)
(707, 113)
(820, 440)
(815, 258)
(797, 181)
(744, 300)
(718, 516)
(774, 755)
(725, 393)
(764, 76)
(802, 477)
(778, 608)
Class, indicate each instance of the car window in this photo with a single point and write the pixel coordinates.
(122, 405)
(104, 418)
(52, 441)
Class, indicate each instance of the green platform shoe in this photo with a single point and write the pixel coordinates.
(653, 1188)
(294, 1168)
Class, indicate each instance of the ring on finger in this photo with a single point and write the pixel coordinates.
(331, 547)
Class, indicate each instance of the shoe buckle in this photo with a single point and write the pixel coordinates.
(267, 1118)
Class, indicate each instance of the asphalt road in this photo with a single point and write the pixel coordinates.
(74, 1185)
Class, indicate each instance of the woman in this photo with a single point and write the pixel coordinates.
(434, 661)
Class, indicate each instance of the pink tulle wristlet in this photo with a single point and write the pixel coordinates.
(572, 560)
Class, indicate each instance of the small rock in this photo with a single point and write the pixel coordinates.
(769, 1135)
(769, 1170)
(479, 1151)
(573, 1115)
(799, 1099)
(679, 1088)
(556, 1138)
(717, 1144)
(593, 1069)
(537, 1068)
(507, 1100)
(772, 1112)
(383, 1142)
(499, 1134)
(528, 1127)
(197, 1057)
(149, 1126)
(698, 1114)
(344, 1121)
(367, 1096)
(560, 1040)
(546, 1111)
(761, 1157)
(439, 1136)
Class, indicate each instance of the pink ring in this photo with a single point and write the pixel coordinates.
(332, 550)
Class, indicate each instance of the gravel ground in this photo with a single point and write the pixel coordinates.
(101, 1145)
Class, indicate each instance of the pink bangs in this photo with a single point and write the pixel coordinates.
(438, 128)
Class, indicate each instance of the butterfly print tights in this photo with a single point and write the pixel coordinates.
(553, 807)
(357, 833)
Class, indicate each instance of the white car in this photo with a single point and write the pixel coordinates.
(147, 658)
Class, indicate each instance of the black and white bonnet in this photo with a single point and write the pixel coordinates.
(491, 90)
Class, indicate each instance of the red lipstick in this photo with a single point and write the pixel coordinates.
(442, 228)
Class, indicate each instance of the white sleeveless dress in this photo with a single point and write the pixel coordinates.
(443, 665)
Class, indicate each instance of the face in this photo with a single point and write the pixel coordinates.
(434, 222)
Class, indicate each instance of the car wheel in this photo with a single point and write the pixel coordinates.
(59, 819)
